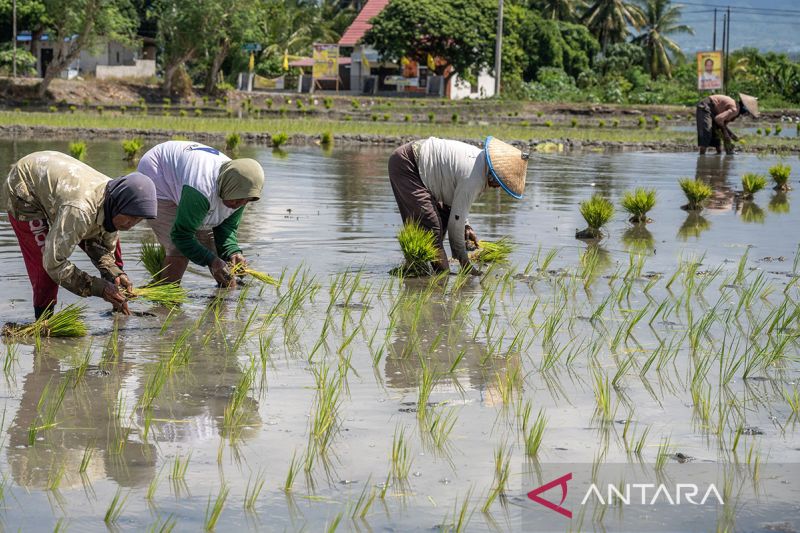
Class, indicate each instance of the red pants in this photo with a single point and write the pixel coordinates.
(31, 236)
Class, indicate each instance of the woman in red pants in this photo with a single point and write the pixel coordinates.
(56, 203)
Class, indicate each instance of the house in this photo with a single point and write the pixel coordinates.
(110, 59)
(370, 74)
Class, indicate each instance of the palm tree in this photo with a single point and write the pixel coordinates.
(566, 10)
(609, 20)
(661, 19)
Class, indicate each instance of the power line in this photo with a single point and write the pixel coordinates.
(734, 8)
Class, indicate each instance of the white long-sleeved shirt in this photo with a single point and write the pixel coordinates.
(455, 173)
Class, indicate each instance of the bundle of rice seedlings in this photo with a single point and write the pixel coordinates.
(160, 292)
(596, 211)
(78, 150)
(780, 174)
(152, 256)
(240, 269)
(69, 322)
(696, 192)
(751, 184)
(638, 202)
(132, 149)
(493, 252)
(419, 249)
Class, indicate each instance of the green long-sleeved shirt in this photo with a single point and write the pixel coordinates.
(192, 210)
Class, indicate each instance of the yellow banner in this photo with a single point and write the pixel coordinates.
(326, 61)
(709, 70)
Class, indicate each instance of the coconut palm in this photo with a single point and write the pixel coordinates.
(566, 10)
(609, 20)
(661, 19)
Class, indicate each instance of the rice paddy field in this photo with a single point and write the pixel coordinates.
(348, 398)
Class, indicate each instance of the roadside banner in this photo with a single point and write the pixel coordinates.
(709, 70)
(326, 62)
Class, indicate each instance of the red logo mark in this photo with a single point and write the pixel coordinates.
(562, 482)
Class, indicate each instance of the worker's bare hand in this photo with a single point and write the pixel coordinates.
(124, 282)
(219, 269)
(237, 259)
(470, 237)
(112, 295)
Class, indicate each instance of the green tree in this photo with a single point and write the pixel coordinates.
(609, 20)
(458, 32)
(566, 10)
(661, 19)
(182, 28)
(75, 25)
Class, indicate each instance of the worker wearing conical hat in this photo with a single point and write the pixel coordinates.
(435, 181)
(714, 113)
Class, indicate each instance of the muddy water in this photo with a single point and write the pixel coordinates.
(328, 223)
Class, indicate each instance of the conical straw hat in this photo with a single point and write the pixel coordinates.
(750, 104)
(507, 164)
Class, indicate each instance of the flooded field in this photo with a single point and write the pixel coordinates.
(348, 398)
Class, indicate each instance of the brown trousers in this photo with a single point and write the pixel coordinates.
(413, 198)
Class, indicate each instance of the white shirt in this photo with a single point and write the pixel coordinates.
(173, 164)
(455, 173)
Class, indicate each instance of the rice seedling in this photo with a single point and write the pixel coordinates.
(400, 459)
(165, 525)
(597, 212)
(115, 508)
(696, 193)
(502, 472)
(364, 502)
(638, 203)
(152, 255)
(440, 425)
(68, 322)
(326, 139)
(132, 149)
(179, 467)
(602, 396)
(232, 142)
(160, 292)
(78, 150)
(751, 184)
(419, 249)
(279, 139)
(535, 434)
(493, 252)
(86, 459)
(324, 424)
(780, 175)
(291, 474)
(239, 269)
(214, 511)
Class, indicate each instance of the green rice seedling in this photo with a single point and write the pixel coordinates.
(364, 502)
(160, 292)
(502, 472)
(401, 459)
(214, 511)
(279, 139)
(86, 459)
(642, 122)
(115, 508)
(535, 434)
(663, 454)
(132, 149)
(69, 322)
(163, 525)
(78, 150)
(493, 252)
(326, 139)
(325, 421)
(239, 269)
(152, 255)
(55, 476)
(574, 122)
(793, 400)
(778, 129)
(427, 380)
(696, 193)
(440, 425)
(597, 212)
(751, 184)
(291, 475)
(334, 525)
(638, 203)
(232, 142)
(780, 175)
(767, 131)
(602, 396)
(179, 467)
(419, 249)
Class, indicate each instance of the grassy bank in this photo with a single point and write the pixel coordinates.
(583, 130)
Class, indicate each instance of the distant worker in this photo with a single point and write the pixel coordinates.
(714, 113)
(201, 198)
(56, 203)
(435, 181)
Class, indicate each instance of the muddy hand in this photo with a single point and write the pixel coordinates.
(219, 269)
(112, 295)
(122, 281)
(236, 260)
(471, 237)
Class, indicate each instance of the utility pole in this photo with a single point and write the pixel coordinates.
(724, 53)
(14, 38)
(714, 46)
(498, 48)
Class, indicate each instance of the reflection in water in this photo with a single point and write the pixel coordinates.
(751, 212)
(90, 417)
(694, 225)
(779, 203)
(638, 239)
(715, 170)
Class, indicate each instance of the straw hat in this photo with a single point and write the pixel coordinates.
(507, 164)
(750, 104)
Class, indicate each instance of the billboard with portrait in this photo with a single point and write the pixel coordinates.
(709, 70)
(326, 62)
